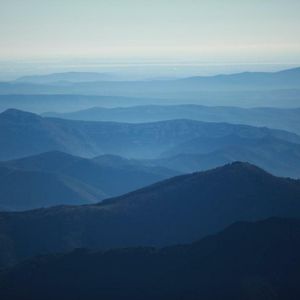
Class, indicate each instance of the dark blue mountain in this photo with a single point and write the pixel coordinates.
(181, 209)
(246, 261)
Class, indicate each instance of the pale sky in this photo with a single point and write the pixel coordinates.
(212, 30)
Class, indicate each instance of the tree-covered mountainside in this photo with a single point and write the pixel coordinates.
(246, 261)
(177, 210)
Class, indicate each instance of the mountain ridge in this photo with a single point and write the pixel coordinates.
(179, 210)
(92, 76)
(55, 177)
(258, 89)
(244, 261)
(27, 134)
(286, 119)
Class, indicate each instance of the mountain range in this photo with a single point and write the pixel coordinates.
(274, 155)
(26, 134)
(157, 189)
(180, 145)
(285, 119)
(61, 103)
(242, 89)
(247, 80)
(179, 210)
(66, 77)
(260, 78)
(258, 260)
(57, 178)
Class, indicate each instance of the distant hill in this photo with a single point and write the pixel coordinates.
(248, 80)
(286, 119)
(288, 78)
(274, 155)
(21, 190)
(178, 210)
(279, 89)
(64, 102)
(173, 144)
(24, 134)
(290, 75)
(246, 261)
(56, 178)
(67, 77)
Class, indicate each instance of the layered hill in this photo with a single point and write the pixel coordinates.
(66, 77)
(286, 119)
(21, 190)
(274, 155)
(181, 209)
(181, 145)
(24, 134)
(63, 102)
(57, 178)
(246, 261)
(240, 81)
(243, 89)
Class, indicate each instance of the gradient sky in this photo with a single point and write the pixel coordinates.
(206, 30)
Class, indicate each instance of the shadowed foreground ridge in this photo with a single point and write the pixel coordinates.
(178, 210)
(246, 261)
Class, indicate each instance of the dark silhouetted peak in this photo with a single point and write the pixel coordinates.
(241, 166)
(237, 170)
